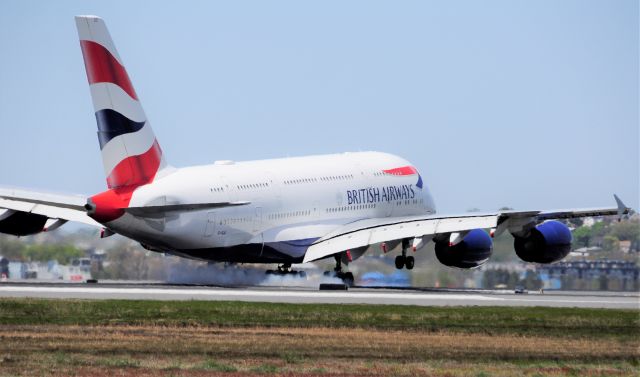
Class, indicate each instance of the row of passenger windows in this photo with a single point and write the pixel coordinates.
(284, 215)
(409, 201)
(236, 220)
(253, 186)
(337, 177)
(383, 173)
(350, 208)
(321, 179)
(370, 205)
(217, 189)
(296, 181)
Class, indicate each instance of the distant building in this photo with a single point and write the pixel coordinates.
(600, 272)
(625, 246)
(79, 270)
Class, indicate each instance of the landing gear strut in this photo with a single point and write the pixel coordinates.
(285, 269)
(346, 277)
(404, 260)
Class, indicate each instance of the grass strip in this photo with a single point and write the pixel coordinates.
(197, 351)
(555, 322)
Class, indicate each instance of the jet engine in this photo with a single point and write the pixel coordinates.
(19, 223)
(546, 243)
(473, 251)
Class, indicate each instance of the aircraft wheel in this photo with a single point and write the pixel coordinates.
(410, 262)
(400, 262)
(348, 279)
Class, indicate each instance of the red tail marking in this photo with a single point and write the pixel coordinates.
(101, 66)
(136, 170)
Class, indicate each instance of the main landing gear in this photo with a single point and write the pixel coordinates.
(285, 270)
(404, 260)
(346, 277)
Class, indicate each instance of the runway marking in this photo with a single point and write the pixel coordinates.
(247, 293)
(569, 300)
(250, 295)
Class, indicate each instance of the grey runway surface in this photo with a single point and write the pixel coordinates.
(378, 296)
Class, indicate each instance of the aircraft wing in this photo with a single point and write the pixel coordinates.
(25, 212)
(372, 231)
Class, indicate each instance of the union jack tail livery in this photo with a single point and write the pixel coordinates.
(130, 151)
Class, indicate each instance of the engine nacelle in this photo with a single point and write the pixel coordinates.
(473, 251)
(546, 243)
(19, 223)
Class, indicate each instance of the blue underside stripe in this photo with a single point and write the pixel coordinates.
(293, 248)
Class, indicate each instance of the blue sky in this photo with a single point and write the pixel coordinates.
(530, 104)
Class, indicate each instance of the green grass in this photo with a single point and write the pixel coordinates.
(217, 366)
(560, 322)
(265, 368)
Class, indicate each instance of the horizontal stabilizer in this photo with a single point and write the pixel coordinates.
(30, 212)
(53, 203)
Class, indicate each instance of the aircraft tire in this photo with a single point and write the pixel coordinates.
(400, 261)
(409, 262)
(348, 279)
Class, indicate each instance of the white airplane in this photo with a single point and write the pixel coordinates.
(281, 211)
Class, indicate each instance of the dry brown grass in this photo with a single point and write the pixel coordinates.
(199, 350)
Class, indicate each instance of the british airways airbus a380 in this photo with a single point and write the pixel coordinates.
(281, 211)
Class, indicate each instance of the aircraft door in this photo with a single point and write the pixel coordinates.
(258, 228)
(231, 194)
(388, 208)
(210, 227)
(257, 220)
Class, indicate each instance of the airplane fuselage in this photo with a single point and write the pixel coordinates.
(283, 205)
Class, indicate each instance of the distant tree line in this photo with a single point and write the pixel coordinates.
(607, 235)
(17, 250)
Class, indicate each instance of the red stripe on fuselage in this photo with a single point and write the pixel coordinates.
(136, 170)
(405, 170)
(101, 66)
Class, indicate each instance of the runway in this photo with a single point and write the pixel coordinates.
(377, 296)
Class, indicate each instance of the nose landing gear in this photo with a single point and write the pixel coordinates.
(404, 260)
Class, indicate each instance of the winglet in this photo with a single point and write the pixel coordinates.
(622, 208)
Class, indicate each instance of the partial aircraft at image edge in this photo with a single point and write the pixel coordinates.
(280, 211)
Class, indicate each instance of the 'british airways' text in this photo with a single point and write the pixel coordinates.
(376, 194)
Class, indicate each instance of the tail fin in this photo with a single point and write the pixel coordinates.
(130, 152)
